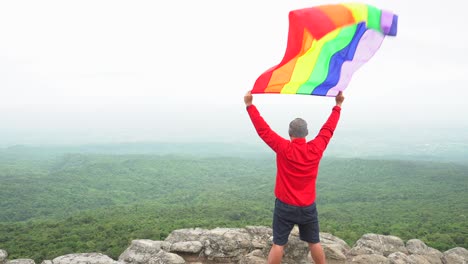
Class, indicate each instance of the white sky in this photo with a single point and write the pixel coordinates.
(112, 71)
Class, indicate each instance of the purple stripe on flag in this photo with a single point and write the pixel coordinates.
(386, 21)
(394, 29)
(369, 44)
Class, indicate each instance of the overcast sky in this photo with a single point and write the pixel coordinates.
(116, 71)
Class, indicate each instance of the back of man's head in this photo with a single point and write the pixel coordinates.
(298, 128)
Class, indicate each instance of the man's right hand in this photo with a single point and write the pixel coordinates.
(339, 98)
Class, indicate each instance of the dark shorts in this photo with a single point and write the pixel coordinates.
(286, 216)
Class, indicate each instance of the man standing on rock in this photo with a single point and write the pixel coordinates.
(297, 163)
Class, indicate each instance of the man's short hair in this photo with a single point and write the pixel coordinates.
(298, 128)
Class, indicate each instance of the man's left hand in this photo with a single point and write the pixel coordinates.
(248, 98)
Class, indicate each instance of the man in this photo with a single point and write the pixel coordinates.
(297, 164)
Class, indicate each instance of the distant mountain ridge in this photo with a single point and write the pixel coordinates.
(373, 148)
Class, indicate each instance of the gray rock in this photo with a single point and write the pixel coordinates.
(434, 258)
(416, 246)
(456, 255)
(219, 244)
(47, 262)
(257, 253)
(260, 236)
(226, 244)
(248, 259)
(368, 259)
(187, 247)
(163, 257)
(189, 234)
(378, 244)
(335, 248)
(297, 251)
(334, 253)
(419, 248)
(141, 251)
(21, 261)
(254, 257)
(418, 259)
(84, 258)
(326, 238)
(3, 256)
(399, 258)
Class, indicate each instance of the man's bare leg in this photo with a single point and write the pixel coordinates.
(276, 254)
(317, 253)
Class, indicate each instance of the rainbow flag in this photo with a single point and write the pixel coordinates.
(326, 45)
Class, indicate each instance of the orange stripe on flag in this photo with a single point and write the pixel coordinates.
(282, 75)
(339, 14)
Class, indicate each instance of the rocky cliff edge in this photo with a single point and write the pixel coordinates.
(251, 245)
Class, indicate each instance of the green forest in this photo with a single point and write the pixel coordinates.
(56, 204)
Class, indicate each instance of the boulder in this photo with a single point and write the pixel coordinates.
(226, 244)
(296, 251)
(141, 251)
(217, 245)
(399, 258)
(334, 253)
(87, 258)
(188, 234)
(187, 247)
(418, 259)
(419, 248)
(3, 256)
(254, 257)
(21, 261)
(456, 255)
(163, 257)
(335, 248)
(368, 259)
(326, 238)
(378, 244)
(260, 236)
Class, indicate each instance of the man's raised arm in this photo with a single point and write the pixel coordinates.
(326, 132)
(263, 129)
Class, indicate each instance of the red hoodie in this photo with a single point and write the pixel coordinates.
(297, 161)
